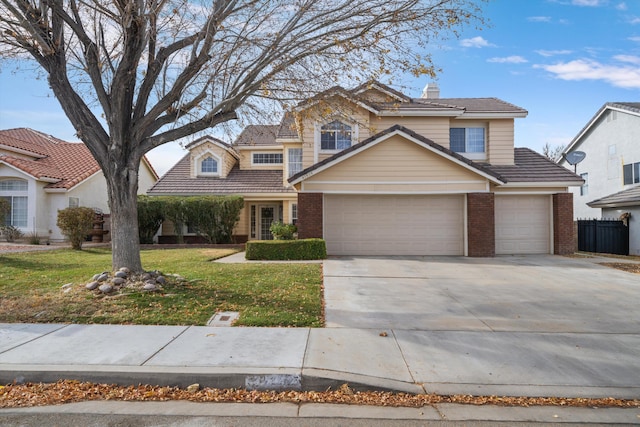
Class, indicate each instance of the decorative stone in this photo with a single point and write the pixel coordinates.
(92, 285)
(105, 288)
(95, 276)
(146, 276)
(67, 286)
(161, 280)
(102, 277)
(118, 281)
(149, 287)
(121, 274)
(124, 270)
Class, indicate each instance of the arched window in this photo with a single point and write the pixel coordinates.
(14, 191)
(209, 165)
(335, 136)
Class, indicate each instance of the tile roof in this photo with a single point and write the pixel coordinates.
(534, 167)
(628, 197)
(178, 181)
(65, 163)
(257, 135)
(471, 105)
(474, 165)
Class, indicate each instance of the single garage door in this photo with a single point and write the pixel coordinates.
(523, 224)
(394, 225)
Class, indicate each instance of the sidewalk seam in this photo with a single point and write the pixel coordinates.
(406, 364)
(164, 346)
(63, 326)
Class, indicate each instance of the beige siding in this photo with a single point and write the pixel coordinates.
(500, 142)
(358, 118)
(396, 160)
(227, 160)
(434, 128)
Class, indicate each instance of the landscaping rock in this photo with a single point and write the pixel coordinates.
(105, 288)
(121, 274)
(92, 285)
(102, 277)
(124, 270)
(118, 281)
(161, 280)
(149, 286)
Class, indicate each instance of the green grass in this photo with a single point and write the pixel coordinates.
(264, 294)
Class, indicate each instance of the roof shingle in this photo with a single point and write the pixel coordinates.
(628, 197)
(534, 167)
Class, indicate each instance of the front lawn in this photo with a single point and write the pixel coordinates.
(31, 290)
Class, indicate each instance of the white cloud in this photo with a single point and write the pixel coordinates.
(515, 59)
(618, 75)
(628, 58)
(621, 6)
(539, 19)
(589, 3)
(635, 21)
(548, 53)
(475, 42)
(635, 39)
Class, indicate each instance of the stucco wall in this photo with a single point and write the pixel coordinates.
(621, 130)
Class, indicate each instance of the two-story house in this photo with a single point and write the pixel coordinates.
(41, 174)
(611, 167)
(375, 172)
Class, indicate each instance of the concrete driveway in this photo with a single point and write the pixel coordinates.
(513, 293)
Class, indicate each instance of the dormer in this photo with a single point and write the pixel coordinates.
(211, 157)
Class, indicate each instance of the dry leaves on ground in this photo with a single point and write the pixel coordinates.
(624, 266)
(12, 396)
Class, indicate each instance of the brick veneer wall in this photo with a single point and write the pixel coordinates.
(481, 227)
(563, 228)
(309, 215)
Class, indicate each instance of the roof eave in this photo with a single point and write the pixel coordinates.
(421, 112)
(494, 115)
(543, 184)
(22, 151)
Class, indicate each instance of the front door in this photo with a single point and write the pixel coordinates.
(267, 217)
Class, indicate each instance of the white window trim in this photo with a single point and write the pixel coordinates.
(266, 164)
(355, 131)
(198, 164)
(18, 193)
(288, 160)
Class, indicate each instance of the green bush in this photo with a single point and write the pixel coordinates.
(304, 249)
(5, 208)
(150, 217)
(76, 224)
(10, 232)
(282, 231)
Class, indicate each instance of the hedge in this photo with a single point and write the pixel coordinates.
(303, 249)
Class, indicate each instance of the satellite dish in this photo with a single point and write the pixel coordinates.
(575, 157)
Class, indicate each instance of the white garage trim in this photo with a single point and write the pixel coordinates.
(523, 224)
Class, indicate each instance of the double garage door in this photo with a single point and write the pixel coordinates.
(394, 225)
(429, 224)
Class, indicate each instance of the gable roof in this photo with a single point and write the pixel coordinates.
(533, 167)
(179, 181)
(256, 135)
(63, 164)
(407, 133)
(628, 197)
(627, 107)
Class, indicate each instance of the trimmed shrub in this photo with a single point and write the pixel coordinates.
(76, 224)
(213, 217)
(303, 249)
(150, 217)
(5, 208)
(282, 231)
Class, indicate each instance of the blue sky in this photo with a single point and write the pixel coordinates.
(559, 59)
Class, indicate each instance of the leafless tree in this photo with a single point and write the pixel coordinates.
(132, 75)
(553, 153)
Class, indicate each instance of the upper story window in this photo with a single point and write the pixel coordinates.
(335, 136)
(631, 173)
(467, 140)
(295, 161)
(14, 191)
(209, 165)
(584, 188)
(267, 158)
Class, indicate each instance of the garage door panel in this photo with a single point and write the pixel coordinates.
(523, 224)
(394, 225)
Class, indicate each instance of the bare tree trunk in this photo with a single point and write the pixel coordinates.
(122, 187)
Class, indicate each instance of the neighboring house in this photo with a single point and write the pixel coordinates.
(40, 174)
(375, 172)
(611, 168)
